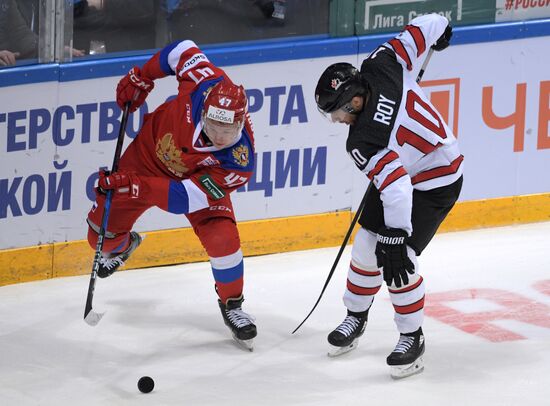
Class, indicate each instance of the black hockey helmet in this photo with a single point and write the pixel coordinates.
(338, 84)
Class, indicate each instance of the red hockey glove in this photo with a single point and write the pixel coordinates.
(125, 184)
(133, 88)
(391, 255)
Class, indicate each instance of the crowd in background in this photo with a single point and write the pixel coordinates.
(121, 26)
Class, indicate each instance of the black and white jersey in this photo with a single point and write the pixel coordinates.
(399, 140)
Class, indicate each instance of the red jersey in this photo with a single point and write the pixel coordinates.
(171, 142)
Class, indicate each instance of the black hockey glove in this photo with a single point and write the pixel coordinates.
(391, 255)
(443, 41)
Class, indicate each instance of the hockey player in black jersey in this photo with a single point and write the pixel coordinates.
(400, 142)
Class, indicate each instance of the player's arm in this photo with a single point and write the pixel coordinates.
(182, 59)
(383, 167)
(422, 33)
(179, 58)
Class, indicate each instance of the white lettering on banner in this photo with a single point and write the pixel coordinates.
(381, 21)
(384, 111)
(191, 62)
(448, 14)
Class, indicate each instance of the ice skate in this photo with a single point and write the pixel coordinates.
(346, 336)
(406, 358)
(240, 323)
(110, 263)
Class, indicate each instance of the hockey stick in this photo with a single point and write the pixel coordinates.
(356, 217)
(342, 247)
(423, 68)
(90, 316)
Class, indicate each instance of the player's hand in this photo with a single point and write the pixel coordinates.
(133, 88)
(125, 184)
(443, 41)
(391, 255)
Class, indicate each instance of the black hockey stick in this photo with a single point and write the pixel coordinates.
(342, 247)
(90, 316)
(356, 217)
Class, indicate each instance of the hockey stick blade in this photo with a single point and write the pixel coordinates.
(92, 318)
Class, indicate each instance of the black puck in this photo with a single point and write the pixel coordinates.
(146, 384)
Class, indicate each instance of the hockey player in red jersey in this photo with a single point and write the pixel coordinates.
(401, 143)
(189, 155)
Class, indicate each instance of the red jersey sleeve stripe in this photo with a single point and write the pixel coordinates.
(418, 37)
(386, 159)
(408, 288)
(358, 290)
(362, 272)
(408, 309)
(401, 51)
(392, 177)
(438, 172)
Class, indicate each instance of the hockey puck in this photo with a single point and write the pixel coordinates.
(146, 384)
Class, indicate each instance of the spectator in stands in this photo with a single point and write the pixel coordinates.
(119, 25)
(17, 40)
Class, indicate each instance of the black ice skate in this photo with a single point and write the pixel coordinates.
(109, 264)
(346, 336)
(240, 323)
(406, 358)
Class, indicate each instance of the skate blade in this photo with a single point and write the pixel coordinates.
(245, 344)
(404, 371)
(335, 351)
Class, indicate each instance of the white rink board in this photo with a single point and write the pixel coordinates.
(286, 125)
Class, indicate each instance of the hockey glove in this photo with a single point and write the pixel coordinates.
(443, 41)
(133, 88)
(391, 255)
(125, 184)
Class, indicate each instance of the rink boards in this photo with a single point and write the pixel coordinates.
(59, 124)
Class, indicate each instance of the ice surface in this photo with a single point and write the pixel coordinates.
(165, 323)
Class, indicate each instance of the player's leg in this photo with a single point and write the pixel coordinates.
(429, 210)
(217, 231)
(408, 302)
(363, 282)
(120, 242)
